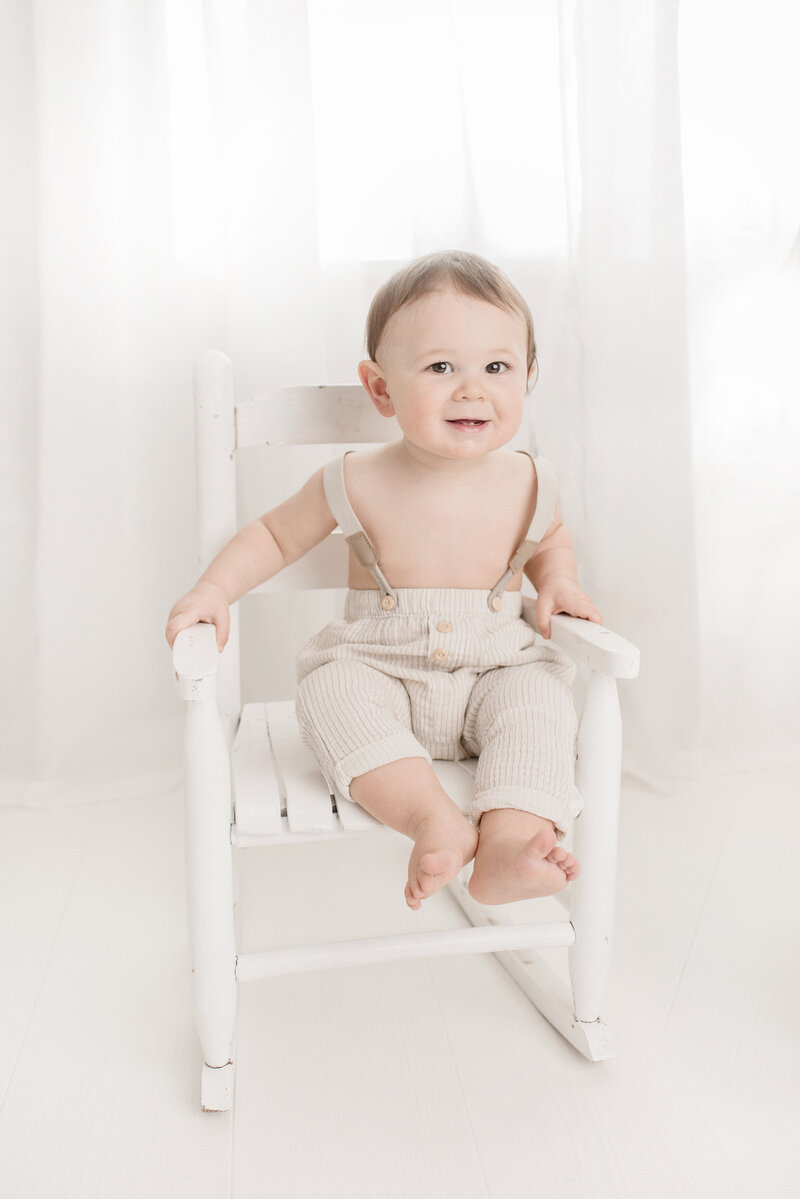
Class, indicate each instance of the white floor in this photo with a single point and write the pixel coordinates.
(433, 1078)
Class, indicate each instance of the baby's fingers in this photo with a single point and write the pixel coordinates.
(544, 610)
(584, 608)
(181, 620)
(222, 622)
(588, 612)
(186, 619)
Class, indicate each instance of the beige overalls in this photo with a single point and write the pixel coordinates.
(442, 673)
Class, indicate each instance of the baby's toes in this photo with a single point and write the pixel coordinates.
(569, 864)
(431, 867)
(567, 861)
(558, 856)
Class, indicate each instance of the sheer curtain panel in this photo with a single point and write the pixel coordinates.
(242, 175)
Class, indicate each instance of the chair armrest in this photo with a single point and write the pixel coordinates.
(588, 644)
(195, 659)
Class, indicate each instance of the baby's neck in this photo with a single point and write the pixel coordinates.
(420, 464)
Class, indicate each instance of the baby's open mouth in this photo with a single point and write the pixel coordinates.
(468, 424)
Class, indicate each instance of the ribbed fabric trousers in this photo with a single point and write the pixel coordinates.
(441, 675)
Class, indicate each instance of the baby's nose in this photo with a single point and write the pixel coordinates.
(471, 387)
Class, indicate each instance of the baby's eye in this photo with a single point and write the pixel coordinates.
(441, 368)
(496, 368)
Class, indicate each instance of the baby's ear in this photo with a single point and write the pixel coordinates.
(533, 375)
(374, 381)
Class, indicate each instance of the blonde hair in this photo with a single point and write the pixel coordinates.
(466, 273)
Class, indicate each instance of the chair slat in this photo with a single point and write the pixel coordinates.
(308, 800)
(312, 416)
(257, 799)
(353, 818)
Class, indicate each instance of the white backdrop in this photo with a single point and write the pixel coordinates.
(242, 175)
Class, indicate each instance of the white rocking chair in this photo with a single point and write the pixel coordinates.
(250, 781)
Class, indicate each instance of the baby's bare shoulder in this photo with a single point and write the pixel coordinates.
(366, 470)
(517, 484)
(363, 463)
(517, 473)
(520, 463)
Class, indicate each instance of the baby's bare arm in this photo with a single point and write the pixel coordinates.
(553, 570)
(555, 555)
(257, 552)
(277, 539)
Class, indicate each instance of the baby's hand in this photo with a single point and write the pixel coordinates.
(206, 603)
(563, 595)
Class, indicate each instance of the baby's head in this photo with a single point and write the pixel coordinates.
(467, 274)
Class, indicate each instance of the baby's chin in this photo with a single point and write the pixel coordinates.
(455, 450)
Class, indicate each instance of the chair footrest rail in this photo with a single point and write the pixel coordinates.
(403, 946)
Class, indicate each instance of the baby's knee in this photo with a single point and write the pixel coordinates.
(329, 686)
(360, 690)
(319, 681)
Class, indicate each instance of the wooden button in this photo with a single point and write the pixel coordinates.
(496, 602)
(440, 654)
(444, 626)
(388, 602)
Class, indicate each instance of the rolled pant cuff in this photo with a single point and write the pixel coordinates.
(391, 749)
(562, 812)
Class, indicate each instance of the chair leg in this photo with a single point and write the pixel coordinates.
(236, 861)
(597, 777)
(210, 898)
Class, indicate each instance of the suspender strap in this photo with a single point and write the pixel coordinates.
(366, 554)
(546, 495)
(362, 547)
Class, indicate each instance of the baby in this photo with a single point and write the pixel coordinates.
(433, 658)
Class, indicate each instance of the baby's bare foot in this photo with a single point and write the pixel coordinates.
(441, 848)
(511, 868)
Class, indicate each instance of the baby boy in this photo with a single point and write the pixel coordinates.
(433, 658)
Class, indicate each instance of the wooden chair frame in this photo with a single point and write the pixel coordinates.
(236, 797)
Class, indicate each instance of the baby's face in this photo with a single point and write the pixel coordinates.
(453, 369)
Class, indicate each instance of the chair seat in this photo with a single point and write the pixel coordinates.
(281, 796)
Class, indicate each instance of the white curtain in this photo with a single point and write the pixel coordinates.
(243, 175)
(740, 129)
